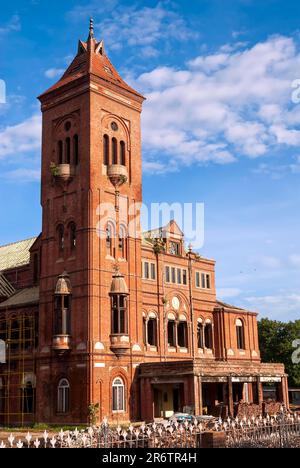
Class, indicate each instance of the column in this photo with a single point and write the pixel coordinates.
(147, 404)
(260, 396)
(230, 397)
(200, 395)
(284, 395)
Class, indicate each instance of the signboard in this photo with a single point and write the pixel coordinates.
(270, 379)
(243, 379)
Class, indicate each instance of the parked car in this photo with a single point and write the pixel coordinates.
(182, 417)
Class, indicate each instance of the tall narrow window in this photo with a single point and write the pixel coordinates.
(60, 152)
(28, 399)
(118, 395)
(114, 151)
(208, 337)
(119, 314)
(75, 150)
(200, 336)
(72, 236)
(106, 150)
(122, 153)
(62, 323)
(178, 276)
(153, 271)
(173, 272)
(171, 333)
(168, 274)
(63, 396)
(61, 238)
(182, 335)
(240, 334)
(109, 239)
(122, 242)
(152, 331)
(68, 150)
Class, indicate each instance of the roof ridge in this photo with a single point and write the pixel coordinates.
(18, 242)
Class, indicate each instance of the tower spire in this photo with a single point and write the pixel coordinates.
(91, 29)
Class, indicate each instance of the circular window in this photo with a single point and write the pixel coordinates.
(114, 126)
(67, 126)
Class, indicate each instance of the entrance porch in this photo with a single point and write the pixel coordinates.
(215, 388)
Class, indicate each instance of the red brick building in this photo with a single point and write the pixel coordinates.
(145, 338)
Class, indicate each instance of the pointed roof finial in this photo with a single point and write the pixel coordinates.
(91, 30)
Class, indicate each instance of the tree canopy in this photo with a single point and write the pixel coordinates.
(276, 345)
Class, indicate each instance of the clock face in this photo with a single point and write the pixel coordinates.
(175, 303)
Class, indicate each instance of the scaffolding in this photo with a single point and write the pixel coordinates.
(17, 373)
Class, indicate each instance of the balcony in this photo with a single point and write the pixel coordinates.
(62, 172)
(61, 343)
(117, 174)
(119, 344)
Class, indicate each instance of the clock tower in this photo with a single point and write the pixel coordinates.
(90, 324)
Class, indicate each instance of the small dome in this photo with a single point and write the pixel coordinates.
(118, 284)
(63, 285)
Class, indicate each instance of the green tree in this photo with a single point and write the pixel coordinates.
(276, 345)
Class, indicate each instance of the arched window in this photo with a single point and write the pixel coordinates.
(119, 315)
(200, 335)
(208, 336)
(110, 234)
(123, 242)
(118, 395)
(60, 152)
(68, 151)
(172, 333)
(72, 236)
(182, 333)
(62, 315)
(240, 334)
(114, 151)
(63, 396)
(61, 238)
(28, 399)
(106, 150)
(152, 331)
(75, 150)
(122, 154)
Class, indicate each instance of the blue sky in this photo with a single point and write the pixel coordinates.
(219, 125)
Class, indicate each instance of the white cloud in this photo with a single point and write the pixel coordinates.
(14, 24)
(54, 72)
(278, 171)
(269, 262)
(295, 260)
(150, 29)
(92, 8)
(285, 306)
(23, 175)
(224, 293)
(21, 138)
(223, 106)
